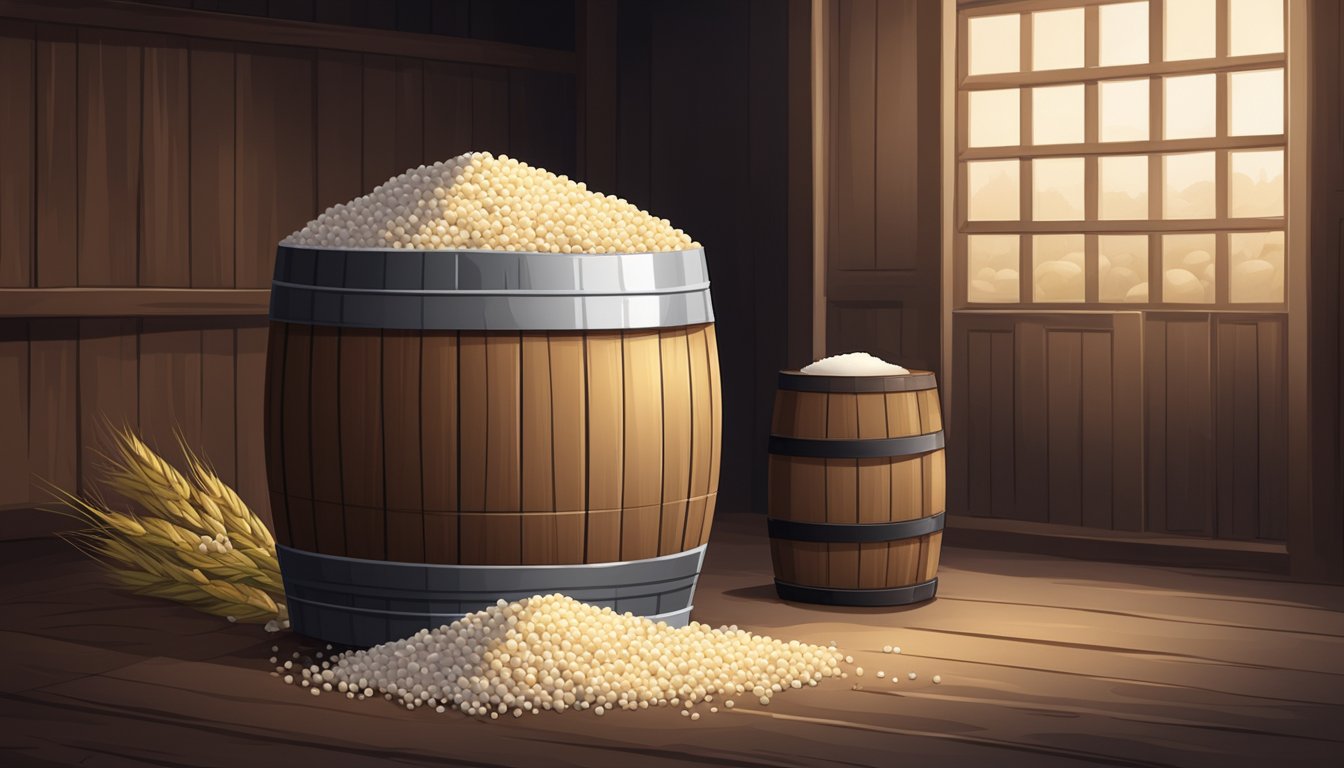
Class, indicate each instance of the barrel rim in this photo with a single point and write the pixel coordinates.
(794, 380)
(888, 596)
(283, 245)
(534, 568)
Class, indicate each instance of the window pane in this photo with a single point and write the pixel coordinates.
(1058, 268)
(1189, 106)
(1057, 189)
(1255, 263)
(1255, 26)
(1256, 183)
(1124, 34)
(995, 44)
(1122, 268)
(1124, 110)
(1187, 269)
(1188, 30)
(991, 268)
(1188, 186)
(992, 188)
(1057, 115)
(1122, 186)
(993, 118)
(1255, 102)
(1057, 39)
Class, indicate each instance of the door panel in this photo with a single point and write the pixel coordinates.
(1045, 427)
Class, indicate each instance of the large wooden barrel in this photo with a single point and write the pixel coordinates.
(445, 429)
(857, 490)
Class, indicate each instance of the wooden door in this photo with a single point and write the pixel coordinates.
(882, 262)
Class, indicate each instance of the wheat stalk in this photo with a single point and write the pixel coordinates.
(197, 543)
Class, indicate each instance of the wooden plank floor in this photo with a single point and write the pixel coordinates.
(1045, 662)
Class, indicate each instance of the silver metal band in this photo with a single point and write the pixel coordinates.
(490, 290)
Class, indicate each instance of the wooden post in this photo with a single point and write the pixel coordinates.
(597, 92)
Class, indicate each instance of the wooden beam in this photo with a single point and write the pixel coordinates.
(597, 71)
(800, 197)
(133, 302)
(138, 17)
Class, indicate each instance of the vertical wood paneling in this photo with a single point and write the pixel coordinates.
(402, 403)
(569, 442)
(980, 499)
(340, 114)
(274, 193)
(1096, 376)
(605, 446)
(895, 136)
(380, 120)
(642, 483)
(291, 428)
(490, 110)
(13, 408)
(212, 162)
(1128, 416)
(677, 420)
(53, 369)
(410, 105)
(438, 445)
(1064, 431)
(327, 439)
(170, 386)
(852, 214)
(362, 480)
(1180, 426)
(540, 537)
(503, 481)
(842, 423)
(1032, 410)
(249, 389)
(109, 110)
(543, 98)
(218, 444)
(165, 215)
(473, 442)
(702, 425)
(17, 150)
(1250, 430)
(447, 122)
(56, 196)
(108, 382)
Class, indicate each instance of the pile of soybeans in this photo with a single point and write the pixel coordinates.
(555, 653)
(480, 201)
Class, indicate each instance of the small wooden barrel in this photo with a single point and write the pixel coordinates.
(445, 429)
(856, 488)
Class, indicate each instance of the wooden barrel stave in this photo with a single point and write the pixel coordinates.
(856, 491)
(374, 468)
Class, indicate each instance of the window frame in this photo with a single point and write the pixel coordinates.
(1089, 76)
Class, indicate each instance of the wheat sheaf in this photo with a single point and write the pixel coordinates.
(189, 538)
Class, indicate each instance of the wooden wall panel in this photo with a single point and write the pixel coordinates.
(130, 159)
(883, 181)
(274, 192)
(212, 96)
(164, 224)
(1179, 424)
(56, 198)
(1040, 414)
(1251, 428)
(108, 91)
(16, 154)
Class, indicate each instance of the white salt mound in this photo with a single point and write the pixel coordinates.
(480, 201)
(556, 653)
(853, 364)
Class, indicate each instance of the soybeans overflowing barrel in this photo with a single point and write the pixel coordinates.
(447, 428)
(857, 489)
